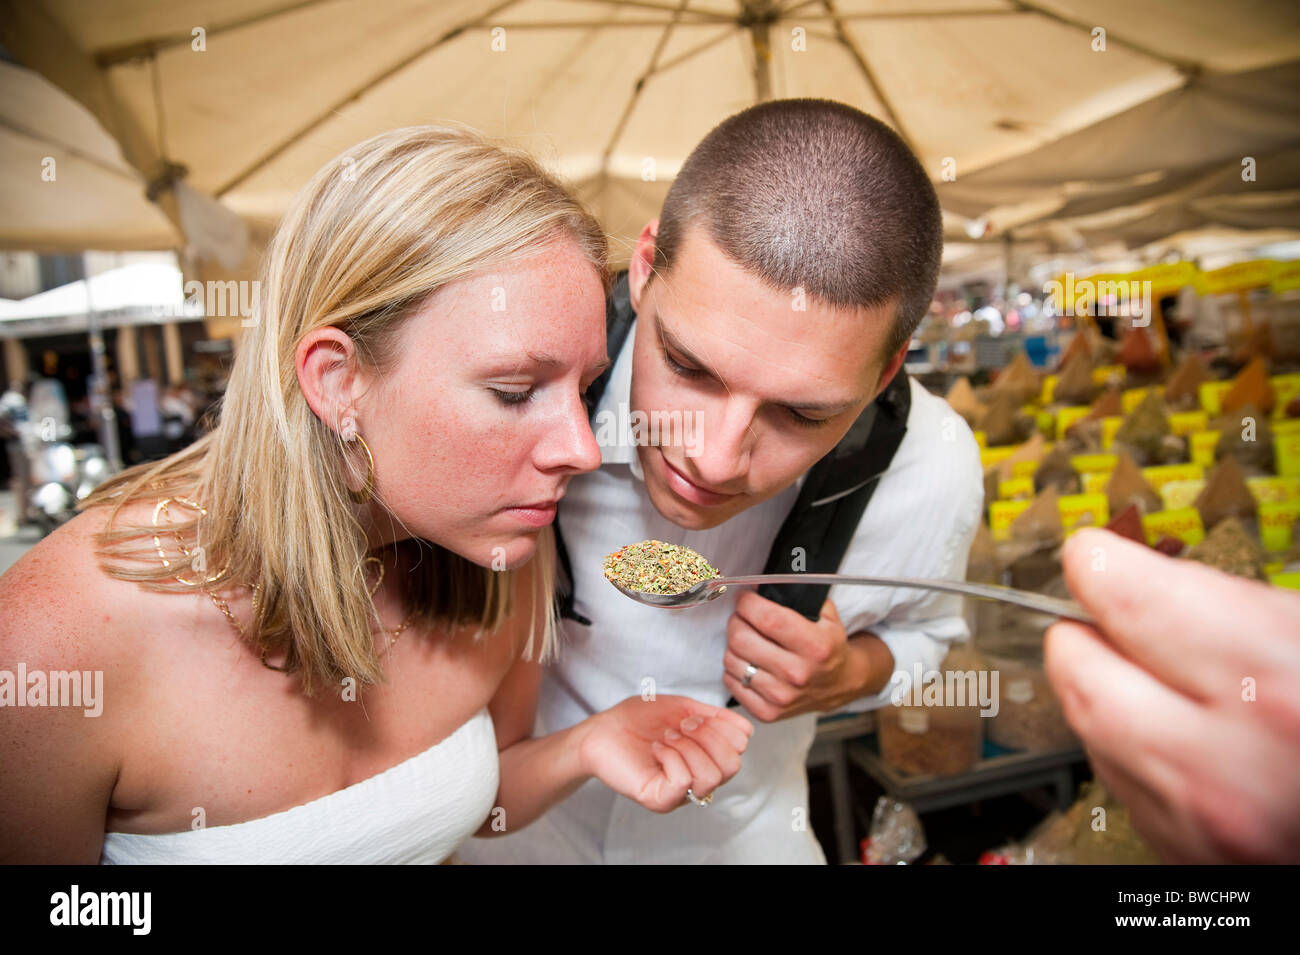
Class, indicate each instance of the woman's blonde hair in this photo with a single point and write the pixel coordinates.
(363, 246)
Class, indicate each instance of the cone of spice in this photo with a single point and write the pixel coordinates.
(1183, 390)
(1246, 435)
(1078, 346)
(1075, 385)
(982, 564)
(1137, 354)
(1250, 388)
(1018, 379)
(1143, 432)
(1031, 450)
(961, 398)
(1109, 405)
(1225, 495)
(1056, 471)
(1232, 550)
(1040, 522)
(1005, 423)
(656, 567)
(1128, 523)
(1128, 486)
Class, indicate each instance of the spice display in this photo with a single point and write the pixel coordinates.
(656, 567)
(1029, 713)
(930, 740)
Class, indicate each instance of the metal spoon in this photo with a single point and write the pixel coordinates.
(707, 590)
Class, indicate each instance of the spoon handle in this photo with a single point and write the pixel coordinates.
(1021, 598)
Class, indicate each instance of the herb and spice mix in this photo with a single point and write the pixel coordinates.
(656, 567)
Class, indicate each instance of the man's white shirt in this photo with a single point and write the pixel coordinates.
(919, 523)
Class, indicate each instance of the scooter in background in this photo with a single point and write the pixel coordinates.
(61, 475)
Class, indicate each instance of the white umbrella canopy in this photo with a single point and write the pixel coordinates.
(253, 96)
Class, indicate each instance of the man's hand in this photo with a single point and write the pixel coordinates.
(1185, 698)
(803, 665)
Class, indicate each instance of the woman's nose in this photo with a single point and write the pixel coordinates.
(570, 444)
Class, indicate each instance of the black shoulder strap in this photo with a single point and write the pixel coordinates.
(834, 497)
(619, 317)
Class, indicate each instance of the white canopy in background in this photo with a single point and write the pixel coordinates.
(140, 293)
(252, 96)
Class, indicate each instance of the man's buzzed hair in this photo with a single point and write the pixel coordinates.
(814, 193)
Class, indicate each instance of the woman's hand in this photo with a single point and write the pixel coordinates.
(652, 751)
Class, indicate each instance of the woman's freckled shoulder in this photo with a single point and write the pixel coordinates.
(61, 603)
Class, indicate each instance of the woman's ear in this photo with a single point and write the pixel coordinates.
(325, 361)
(643, 257)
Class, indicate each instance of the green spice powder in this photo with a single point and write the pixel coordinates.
(656, 567)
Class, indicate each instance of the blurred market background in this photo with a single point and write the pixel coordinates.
(1118, 316)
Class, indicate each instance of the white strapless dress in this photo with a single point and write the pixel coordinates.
(418, 811)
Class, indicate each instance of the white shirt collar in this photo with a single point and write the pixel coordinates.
(612, 414)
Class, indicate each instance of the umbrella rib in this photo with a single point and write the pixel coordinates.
(693, 51)
(1189, 68)
(638, 87)
(130, 51)
(370, 84)
(844, 38)
(73, 151)
(665, 8)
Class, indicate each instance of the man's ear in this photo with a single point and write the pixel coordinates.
(326, 364)
(891, 369)
(643, 257)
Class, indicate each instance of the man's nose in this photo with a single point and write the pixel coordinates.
(725, 445)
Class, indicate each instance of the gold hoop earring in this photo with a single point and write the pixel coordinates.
(360, 497)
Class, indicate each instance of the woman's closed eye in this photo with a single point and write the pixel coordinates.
(512, 398)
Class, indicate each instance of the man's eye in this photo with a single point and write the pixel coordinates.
(513, 397)
(682, 370)
(805, 422)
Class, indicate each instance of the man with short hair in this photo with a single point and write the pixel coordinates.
(764, 318)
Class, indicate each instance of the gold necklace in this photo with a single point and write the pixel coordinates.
(161, 508)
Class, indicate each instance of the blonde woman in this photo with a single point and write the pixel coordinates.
(308, 636)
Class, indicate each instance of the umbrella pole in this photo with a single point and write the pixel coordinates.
(760, 34)
(101, 397)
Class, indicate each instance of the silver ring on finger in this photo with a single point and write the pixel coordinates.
(750, 670)
(690, 794)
